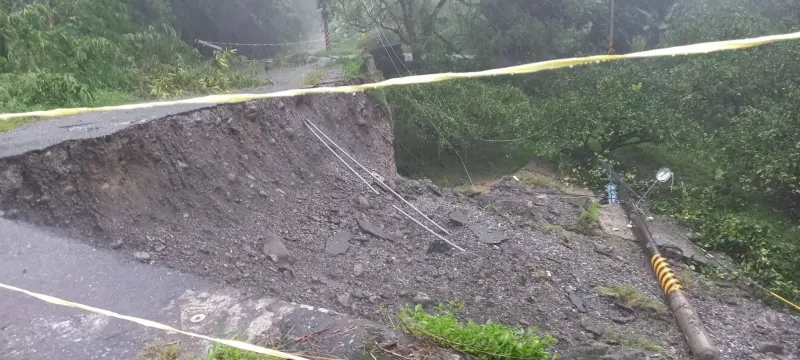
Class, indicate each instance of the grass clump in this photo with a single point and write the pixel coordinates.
(352, 67)
(626, 340)
(552, 228)
(313, 77)
(533, 179)
(632, 298)
(225, 352)
(160, 351)
(483, 341)
(588, 219)
(640, 344)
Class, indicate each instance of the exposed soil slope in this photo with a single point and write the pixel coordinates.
(245, 194)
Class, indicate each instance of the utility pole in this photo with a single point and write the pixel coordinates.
(611, 30)
(325, 19)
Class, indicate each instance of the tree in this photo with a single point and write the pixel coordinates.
(416, 23)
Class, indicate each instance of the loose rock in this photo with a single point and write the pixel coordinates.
(141, 256)
(358, 270)
(593, 326)
(603, 249)
(576, 300)
(372, 230)
(765, 347)
(339, 243)
(487, 236)
(231, 177)
(276, 250)
(358, 294)
(422, 299)
(344, 300)
(439, 247)
(363, 202)
(458, 218)
(116, 244)
(622, 319)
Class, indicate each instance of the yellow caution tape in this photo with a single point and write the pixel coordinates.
(153, 324)
(430, 78)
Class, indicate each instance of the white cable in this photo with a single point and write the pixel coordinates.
(342, 160)
(426, 228)
(377, 178)
(381, 35)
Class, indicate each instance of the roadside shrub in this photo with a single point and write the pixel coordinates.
(483, 341)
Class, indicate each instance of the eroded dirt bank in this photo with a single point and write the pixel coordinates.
(245, 194)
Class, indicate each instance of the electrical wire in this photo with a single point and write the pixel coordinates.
(381, 36)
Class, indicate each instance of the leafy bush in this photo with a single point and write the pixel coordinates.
(448, 115)
(483, 341)
(353, 67)
(69, 52)
(589, 218)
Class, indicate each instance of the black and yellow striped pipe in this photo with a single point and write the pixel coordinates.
(700, 343)
(666, 277)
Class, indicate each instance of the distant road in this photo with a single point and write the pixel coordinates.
(41, 134)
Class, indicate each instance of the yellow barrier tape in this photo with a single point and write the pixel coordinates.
(429, 78)
(153, 324)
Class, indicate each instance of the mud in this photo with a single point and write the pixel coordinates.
(246, 195)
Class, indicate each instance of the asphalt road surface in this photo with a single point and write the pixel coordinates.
(40, 261)
(41, 134)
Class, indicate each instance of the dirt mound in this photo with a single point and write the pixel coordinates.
(245, 194)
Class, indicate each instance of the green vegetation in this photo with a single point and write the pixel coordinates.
(615, 335)
(726, 123)
(352, 67)
(483, 341)
(91, 53)
(588, 219)
(313, 77)
(225, 352)
(552, 228)
(632, 298)
(533, 179)
(160, 351)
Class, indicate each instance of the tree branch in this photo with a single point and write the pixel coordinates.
(427, 28)
(448, 44)
(399, 33)
(407, 20)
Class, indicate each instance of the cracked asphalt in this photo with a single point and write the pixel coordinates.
(41, 261)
